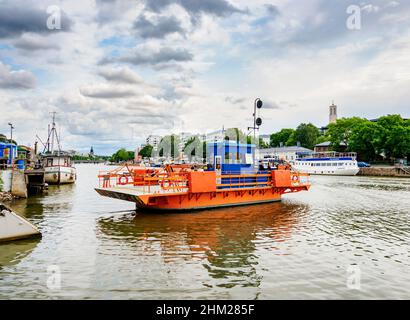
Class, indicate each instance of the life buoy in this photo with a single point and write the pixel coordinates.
(164, 183)
(295, 178)
(123, 180)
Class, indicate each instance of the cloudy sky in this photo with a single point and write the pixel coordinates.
(118, 70)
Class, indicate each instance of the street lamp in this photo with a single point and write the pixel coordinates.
(11, 132)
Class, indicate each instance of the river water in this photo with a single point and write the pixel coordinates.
(347, 238)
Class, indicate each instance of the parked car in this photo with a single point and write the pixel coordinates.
(363, 165)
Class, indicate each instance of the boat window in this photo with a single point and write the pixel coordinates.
(49, 162)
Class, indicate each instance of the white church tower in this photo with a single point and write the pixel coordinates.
(332, 113)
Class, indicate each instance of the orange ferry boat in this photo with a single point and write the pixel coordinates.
(225, 182)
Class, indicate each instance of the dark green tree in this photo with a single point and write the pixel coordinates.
(146, 151)
(280, 137)
(307, 135)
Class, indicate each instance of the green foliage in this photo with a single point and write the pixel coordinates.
(365, 139)
(281, 137)
(389, 136)
(342, 130)
(79, 158)
(306, 134)
(146, 152)
(322, 139)
(122, 155)
(263, 144)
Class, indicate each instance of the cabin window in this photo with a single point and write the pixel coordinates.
(49, 162)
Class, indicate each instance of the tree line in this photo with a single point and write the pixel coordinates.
(387, 137)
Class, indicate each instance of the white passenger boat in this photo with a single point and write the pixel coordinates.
(327, 163)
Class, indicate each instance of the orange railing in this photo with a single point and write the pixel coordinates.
(169, 179)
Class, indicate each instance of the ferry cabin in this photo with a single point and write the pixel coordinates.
(231, 157)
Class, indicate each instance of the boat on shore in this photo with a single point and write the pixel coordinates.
(224, 182)
(14, 227)
(327, 163)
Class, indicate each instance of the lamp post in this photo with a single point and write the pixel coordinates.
(11, 132)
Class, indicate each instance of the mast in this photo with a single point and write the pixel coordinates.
(52, 136)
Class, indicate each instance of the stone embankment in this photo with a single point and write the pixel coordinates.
(385, 172)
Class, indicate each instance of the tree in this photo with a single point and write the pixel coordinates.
(263, 144)
(341, 131)
(146, 151)
(280, 137)
(395, 136)
(307, 135)
(389, 136)
(365, 140)
(122, 155)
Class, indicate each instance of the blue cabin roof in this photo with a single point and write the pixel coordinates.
(231, 144)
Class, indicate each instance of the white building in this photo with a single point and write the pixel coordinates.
(215, 136)
(153, 140)
(184, 137)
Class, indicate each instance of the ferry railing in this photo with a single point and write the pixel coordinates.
(329, 154)
(148, 182)
(234, 180)
(161, 181)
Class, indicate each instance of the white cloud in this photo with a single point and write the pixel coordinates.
(16, 79)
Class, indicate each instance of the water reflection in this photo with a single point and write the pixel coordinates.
(11, 253)
(224, 241)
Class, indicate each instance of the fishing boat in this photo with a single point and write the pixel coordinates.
(58, 167)
(327, 163)
(229, 179)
